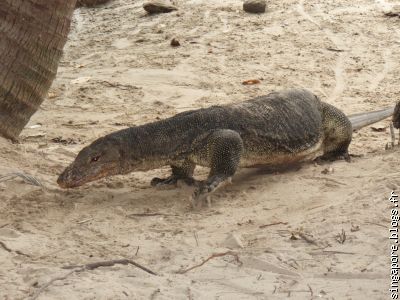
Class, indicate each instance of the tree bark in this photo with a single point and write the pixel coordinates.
(32, 36)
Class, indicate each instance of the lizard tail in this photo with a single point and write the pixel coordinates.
(361, 120)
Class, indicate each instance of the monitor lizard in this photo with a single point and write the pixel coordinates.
(279, 129)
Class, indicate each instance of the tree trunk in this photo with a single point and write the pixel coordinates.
(32, 36)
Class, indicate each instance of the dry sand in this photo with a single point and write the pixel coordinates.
(119, 69)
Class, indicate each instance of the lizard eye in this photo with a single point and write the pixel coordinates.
(96, 158)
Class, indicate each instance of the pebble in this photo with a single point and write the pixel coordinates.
(254, 6)
(175, 43)
(158, 7)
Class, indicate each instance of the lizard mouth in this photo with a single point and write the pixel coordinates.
(72, 177)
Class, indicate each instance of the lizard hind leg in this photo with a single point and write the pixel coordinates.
(224, 149)
(180, 171)
(337, 133)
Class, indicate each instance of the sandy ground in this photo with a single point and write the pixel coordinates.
(119, 69)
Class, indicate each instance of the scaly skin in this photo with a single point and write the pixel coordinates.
(281, 128)
(396, 116)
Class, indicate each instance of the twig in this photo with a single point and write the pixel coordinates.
(215, 255)
(84, 221)
(311, 291)
(119, 85)
(308, 239)
(148, 215)
(392, 14)
(272, 224)
(195, 237)
(154, 294)
(334, 49)
(46, 285)
(27, 178)
(22, 253)
(5, 247)
(4, 225)
(109, 263)
(332, 252)
(137, 250)
(90, 266)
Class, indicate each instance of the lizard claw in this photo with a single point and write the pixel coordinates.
(172, 180)
(199, 201)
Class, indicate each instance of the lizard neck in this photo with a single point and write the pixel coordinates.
(150, 146)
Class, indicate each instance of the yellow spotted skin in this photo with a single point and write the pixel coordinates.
(337, 130)
(278, 129)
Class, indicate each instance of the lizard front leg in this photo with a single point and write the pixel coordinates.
(183, 171)
(224, 149)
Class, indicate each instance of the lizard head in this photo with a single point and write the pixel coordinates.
(100, 159)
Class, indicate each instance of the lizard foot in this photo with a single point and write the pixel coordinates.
(201, 195)
(330, 157)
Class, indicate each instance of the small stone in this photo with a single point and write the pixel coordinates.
(329, 170)
(233, 241)
(175, 43)
(254, 6)
(158, 7)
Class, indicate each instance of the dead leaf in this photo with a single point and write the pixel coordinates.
(378, 128)
(251, 81)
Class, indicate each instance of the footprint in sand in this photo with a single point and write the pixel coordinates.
(340, 82)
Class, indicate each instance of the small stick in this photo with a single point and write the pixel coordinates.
(154, 294)
(209, 258)
(149, 215)
(90, 266)
(334, 50)
(46, 285)
(311, 291)
(195, 237)
(323, 252)
(84, 221)
(5, 247)
(109, 263)
(307, 238)
(272, 224)
(137, 251)
(392, 134)
(27, 178)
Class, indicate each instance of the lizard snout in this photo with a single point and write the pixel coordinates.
(69, 178)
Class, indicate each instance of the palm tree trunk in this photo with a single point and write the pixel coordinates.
(32, 36)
